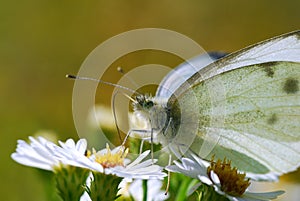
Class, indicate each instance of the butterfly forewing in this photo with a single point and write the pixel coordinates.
(281, 48)
(256, 117)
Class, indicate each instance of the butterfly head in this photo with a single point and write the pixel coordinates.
(143, 102)
(150, 110)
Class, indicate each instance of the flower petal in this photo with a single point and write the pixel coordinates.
(205, 180)
(81, 145)
(214, 177)
(139, 159)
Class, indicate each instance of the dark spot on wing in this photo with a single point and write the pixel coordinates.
(269, 68)
(269, 71)
(273, 119)
(291, 86)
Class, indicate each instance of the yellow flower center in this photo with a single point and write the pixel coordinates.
(109, 159)
(232, 182)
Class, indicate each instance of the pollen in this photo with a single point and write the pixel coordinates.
(232, 182)
(109, 159)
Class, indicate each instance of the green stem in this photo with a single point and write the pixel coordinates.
(145, 190)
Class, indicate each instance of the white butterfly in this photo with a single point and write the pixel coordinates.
(244, 106)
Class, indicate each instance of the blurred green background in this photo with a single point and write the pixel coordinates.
(41, 41)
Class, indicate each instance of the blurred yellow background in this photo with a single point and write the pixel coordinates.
(41, 41)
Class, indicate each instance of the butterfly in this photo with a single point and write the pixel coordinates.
(244, 106)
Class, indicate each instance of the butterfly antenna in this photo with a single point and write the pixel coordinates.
(133, 100)
(75, 77)
(120, 70)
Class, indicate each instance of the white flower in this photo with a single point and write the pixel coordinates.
(135, 189)
(225, 180)
(115, 162)
(43, 154)
(39, 153)
(74, 154)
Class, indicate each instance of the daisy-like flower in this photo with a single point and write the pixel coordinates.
(225, 180)
(109, 167)
(115, 162)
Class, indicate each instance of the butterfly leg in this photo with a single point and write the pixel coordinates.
(141, 146)
(139, 131)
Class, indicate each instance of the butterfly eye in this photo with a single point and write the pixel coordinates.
(148, 104)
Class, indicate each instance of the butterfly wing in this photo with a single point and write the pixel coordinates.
(249, 114)
(281, 48)
(183, 72)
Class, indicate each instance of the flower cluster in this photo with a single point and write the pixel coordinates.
(108, 174)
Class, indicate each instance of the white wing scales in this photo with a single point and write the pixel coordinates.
(281, 48)
(183, 72)
(258, 105)
(278, 157)
(261, 117)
